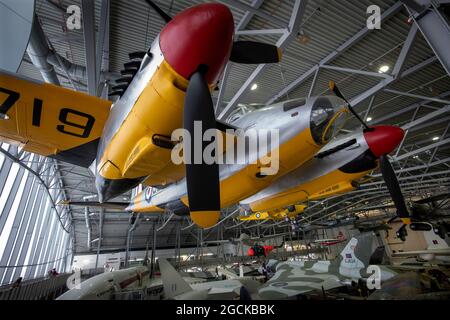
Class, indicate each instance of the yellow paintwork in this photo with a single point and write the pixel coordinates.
(158, 110)
(205, 219)
(292, 154)
(339, 181)
(338, 188)
(406, 220)
(45, 139)
(279, 214)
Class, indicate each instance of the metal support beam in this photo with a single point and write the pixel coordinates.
(88, 227)
(241, 25)
(427, 117)
(244, 7)
(420, 150)
(436, 31)
(313, 83)
(405, 51)
(153, 259)
(294, 25)
(43, 183)
(100, 235)
(385, 82)
(88, 11)
(103, 48)
(336, 53)
(406, 109)
(129, 235)
(407, 94)
(354, 71)
(259, 32)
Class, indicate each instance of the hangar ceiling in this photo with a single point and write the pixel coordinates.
(330, 40)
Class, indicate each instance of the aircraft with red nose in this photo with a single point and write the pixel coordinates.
(128, 142)
(336, 169)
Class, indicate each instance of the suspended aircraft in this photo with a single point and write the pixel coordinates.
(289, 213)
(246, 239)
(304, 126)
(336, 168)
(129, 142)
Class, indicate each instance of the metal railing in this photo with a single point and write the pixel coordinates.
(46, 288)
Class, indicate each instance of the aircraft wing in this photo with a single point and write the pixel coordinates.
(225, 289)
(49, 120)
(438, 252)
(290, 281)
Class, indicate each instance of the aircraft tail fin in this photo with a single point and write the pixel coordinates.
(358, 251)
(434, 241)
(173, 283)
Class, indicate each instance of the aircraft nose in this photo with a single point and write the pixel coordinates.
(201, 35)
(383, 139)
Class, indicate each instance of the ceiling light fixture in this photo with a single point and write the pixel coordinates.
(303, 38)
(369, 119)
(435, 138)
(383, 69)
(254, 87)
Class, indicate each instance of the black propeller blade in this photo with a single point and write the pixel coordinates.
(387, 172)
(396, 194)
(202, 179)
(163, 15)
(338, 93)
(250, 52)
(394, 188)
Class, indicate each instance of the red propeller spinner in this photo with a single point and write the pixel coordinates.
(383, 139)
(201, 35)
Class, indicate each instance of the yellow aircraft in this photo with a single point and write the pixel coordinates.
(335, 169)
(290, 212)
(130, 142)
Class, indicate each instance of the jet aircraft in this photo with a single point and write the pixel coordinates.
(294, 278)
